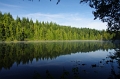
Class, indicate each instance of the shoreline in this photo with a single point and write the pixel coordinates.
(36, 41)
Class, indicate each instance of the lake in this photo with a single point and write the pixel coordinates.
(59, 60)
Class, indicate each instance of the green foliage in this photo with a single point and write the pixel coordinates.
(26, 30)
(107, 11)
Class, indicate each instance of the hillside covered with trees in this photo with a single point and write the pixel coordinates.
(24, 29)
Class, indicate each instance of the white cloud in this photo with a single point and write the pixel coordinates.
(74, 20)
(13, 9)
(97, 24)
(8, 5)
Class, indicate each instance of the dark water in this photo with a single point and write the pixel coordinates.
(59, 60)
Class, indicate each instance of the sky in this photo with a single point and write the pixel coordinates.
(67, 12)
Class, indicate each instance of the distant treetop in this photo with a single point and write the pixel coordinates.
(106, 10)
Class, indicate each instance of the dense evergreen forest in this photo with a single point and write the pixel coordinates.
(24, 29)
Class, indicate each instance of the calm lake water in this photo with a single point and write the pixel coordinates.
(58, 60)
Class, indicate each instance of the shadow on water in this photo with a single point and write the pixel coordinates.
(76, 71)
(22, 54)
(115, 57)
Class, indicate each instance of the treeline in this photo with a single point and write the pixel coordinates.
(25, 52)
(25, 29)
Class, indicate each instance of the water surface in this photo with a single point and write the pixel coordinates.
(57, 60)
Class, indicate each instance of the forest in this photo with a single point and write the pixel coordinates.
(25, 29)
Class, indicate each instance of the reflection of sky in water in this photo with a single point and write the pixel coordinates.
(55, 66)
(91, 57)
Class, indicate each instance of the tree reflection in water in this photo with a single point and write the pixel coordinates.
(26, 52)
(115, 56)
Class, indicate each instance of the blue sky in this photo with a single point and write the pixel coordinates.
(67, 12)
